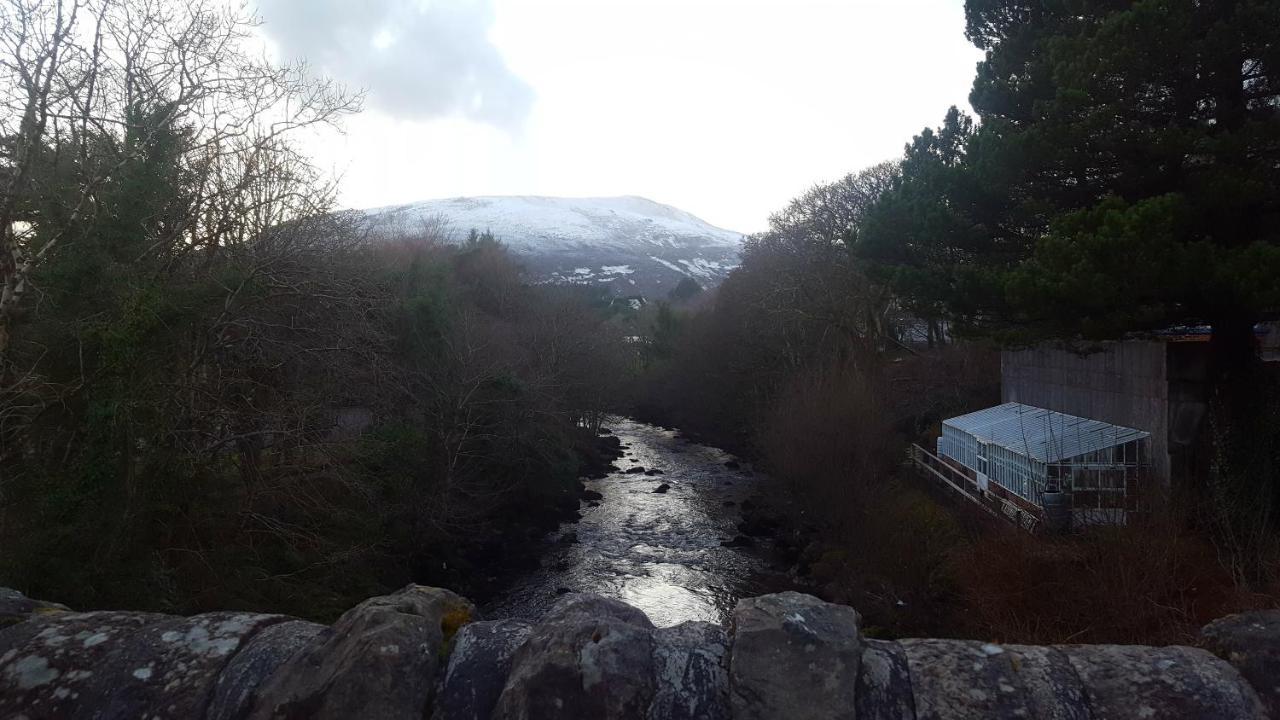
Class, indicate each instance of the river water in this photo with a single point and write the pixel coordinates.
(660, 552)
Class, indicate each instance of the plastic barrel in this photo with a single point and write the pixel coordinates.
(1057, 512)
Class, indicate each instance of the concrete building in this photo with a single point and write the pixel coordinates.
(1158, 386)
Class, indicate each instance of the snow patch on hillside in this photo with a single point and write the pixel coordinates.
(635, 245)
(546, 223)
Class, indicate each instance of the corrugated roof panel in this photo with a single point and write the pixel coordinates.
(1041, 434)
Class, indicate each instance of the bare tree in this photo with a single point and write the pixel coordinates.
(803, 276)
(77, 73)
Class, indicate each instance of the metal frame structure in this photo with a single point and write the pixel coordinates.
(1024, 451)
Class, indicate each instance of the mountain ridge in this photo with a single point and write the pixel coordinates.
(633, 245)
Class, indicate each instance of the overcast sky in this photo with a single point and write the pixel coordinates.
(724, 108)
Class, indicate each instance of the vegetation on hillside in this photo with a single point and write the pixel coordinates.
(213, 391)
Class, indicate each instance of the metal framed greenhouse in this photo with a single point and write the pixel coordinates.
(1035, 457)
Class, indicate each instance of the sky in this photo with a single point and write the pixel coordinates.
(724, 108)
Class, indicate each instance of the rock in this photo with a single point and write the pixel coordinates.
(959, 679)
(378, 660)
(1123, 681)
(954, 679)
(654, 471)
(732, 464)
(635, 470)
(61, 663)
(605, 431)
(563, 591)
(691, 673)
(1053, 688)
(16, 607)
(884, 683)
(591, 606)
(591, 495)
(478, 667)
(590, 657)
(254, 663)
(662, 489)
(1251, 643)
(794, 658)
(119, 665)
(791, 656)
(593, 504)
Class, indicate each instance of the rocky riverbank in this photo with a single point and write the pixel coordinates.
(421, 653)
(485, 566)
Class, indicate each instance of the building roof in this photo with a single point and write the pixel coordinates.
(1040, 434)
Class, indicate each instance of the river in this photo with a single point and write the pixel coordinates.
(660, 552)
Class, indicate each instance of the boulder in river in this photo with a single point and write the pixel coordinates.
(635, 470)
(661, 489)
(654, 471)
(591, 495)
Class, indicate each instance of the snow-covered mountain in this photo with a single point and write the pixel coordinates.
(632, 245)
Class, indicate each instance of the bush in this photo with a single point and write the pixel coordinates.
(1147, 585)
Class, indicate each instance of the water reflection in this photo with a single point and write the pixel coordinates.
(658, 551)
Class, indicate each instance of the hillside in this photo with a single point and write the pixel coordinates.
(632, 245)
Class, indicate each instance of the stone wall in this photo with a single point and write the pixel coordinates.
(418, 654)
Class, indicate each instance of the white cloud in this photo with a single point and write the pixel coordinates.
(724, 108)
(418, 60)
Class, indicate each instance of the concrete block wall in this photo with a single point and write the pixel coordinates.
(1124, 383)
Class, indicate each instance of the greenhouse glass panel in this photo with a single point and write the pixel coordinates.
(1015, 445)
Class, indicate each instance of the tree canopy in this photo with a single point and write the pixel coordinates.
(1123, 174)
